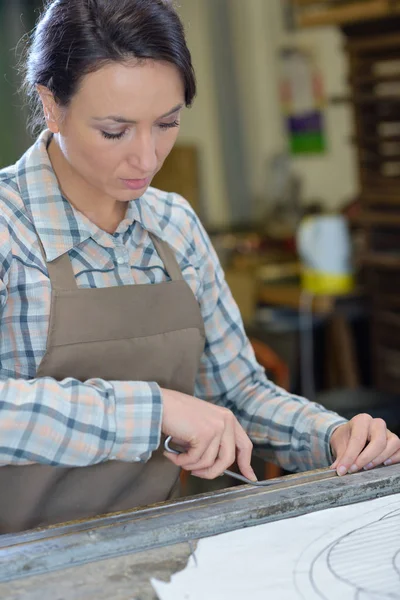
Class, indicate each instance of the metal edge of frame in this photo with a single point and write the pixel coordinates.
(56, 548)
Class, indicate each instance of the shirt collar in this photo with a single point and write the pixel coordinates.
(55, 220)
(59, 225)
(142, 211)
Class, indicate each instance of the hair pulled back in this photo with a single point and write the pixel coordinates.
(76, 37)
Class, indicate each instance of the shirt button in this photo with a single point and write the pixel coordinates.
(121, 261)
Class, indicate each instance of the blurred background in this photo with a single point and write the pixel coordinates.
(291, 156)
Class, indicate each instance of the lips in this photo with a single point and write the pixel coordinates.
(136, 184)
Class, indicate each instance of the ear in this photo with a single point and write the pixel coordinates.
(51, 110)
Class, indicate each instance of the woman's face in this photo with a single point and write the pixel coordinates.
(120, 126)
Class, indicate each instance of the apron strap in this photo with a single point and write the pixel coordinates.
(62, 275)
(60, 271)
(168, 257)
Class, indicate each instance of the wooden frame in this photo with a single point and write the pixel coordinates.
(29, 559)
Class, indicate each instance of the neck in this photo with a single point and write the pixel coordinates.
(103, 211)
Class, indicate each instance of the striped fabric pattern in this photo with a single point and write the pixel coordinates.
(72, 423)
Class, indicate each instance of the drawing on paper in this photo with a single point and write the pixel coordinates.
(356, 561)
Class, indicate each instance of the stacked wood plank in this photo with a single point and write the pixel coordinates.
(375, 96)
(311, 13)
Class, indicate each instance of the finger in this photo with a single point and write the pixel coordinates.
(343, 447)
(226, 456)
(392, 447)
(193, 454)
(244, 449)
(209, 457)
(395, 458)
(180, 444)
(358, 437)
(377, 443)
(339, 440)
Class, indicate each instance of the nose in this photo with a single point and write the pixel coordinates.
(143, 154)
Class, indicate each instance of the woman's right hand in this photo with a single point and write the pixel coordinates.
(212, 435)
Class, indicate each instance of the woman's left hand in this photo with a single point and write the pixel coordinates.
(363, 443)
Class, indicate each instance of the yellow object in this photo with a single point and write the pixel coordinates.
(317, 282)
(324, 246)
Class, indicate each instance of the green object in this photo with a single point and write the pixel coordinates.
(307, 143)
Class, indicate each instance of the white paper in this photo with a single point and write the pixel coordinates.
(345, 553)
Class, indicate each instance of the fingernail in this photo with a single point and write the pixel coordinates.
(353, 469)
(369, 466)
(388, 462)
(342, 471)
(254, 478)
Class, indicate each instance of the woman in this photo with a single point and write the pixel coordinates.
(116, 322)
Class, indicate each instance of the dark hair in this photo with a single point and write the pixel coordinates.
(76, 37)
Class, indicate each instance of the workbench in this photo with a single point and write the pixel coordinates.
(115, 556)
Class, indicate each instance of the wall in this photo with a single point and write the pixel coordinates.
(200, 124)
(258, 32)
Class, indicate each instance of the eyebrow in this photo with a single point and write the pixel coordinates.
(119, 119)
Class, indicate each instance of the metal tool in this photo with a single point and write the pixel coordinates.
(293, 479)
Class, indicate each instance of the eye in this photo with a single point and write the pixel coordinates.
(169, 125)
(113, 136)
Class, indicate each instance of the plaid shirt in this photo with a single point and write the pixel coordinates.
(73, 423)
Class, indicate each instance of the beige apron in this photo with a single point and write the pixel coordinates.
(152, 332)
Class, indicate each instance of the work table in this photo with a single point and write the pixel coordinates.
(116, 556)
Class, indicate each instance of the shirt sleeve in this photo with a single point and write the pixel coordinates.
(76, 424)
(284, 428)
(70, 423)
